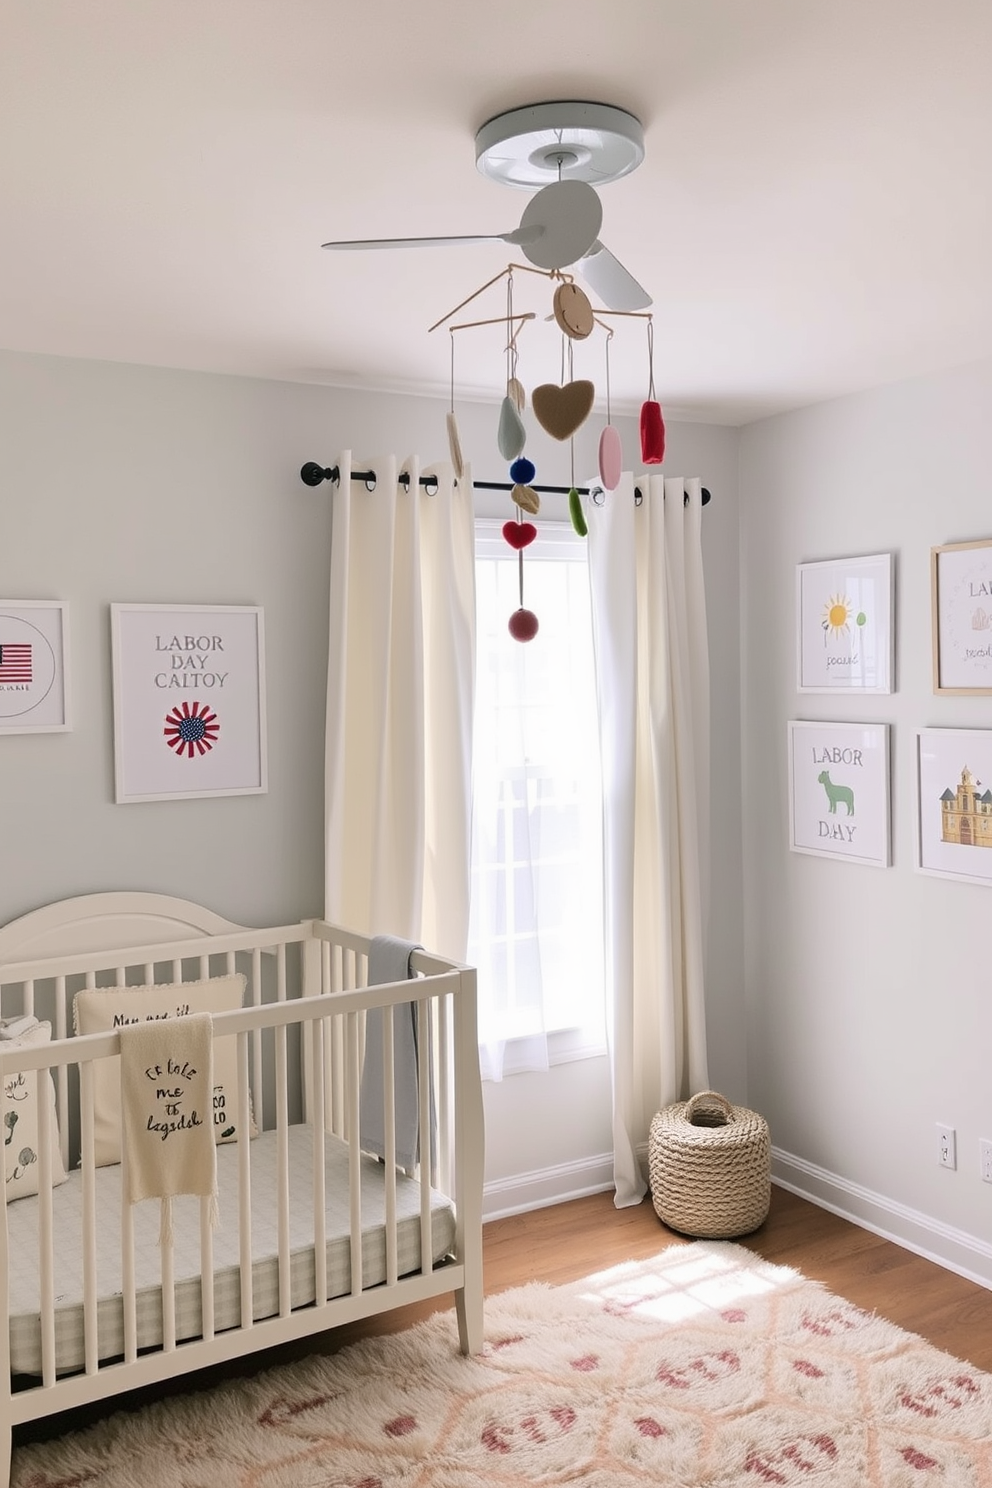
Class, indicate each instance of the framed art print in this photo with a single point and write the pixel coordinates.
(839, 791)
(961, 595)
(34, 666)
(189, 701)
(954, 803)
(844, 609)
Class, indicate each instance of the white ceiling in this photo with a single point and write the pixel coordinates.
(813, 215)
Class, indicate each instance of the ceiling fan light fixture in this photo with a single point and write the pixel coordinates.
(543, 142)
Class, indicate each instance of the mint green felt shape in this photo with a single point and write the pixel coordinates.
(511, 435)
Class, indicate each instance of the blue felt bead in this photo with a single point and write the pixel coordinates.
(522, 471)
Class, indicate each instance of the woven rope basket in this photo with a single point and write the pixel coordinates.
(709, 1166)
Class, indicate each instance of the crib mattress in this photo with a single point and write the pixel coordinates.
(22, 1221)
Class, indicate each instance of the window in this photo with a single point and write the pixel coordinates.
(536, 931)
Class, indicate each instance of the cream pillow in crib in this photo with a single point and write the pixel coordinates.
(20, 1121)
(102, 1009)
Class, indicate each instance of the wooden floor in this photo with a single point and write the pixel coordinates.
(568, 1241)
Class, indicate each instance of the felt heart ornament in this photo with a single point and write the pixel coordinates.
(519, 534)
(515, 391)
(610, 457)
(562, 410)
(652, 433)
(511, 436)
(527, 499)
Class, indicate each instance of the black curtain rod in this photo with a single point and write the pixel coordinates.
(312, 474)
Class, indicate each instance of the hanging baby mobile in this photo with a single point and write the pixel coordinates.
(560, 408)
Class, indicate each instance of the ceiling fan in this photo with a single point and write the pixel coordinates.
(565, 149)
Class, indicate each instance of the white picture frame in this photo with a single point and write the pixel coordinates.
(839, 791)
(961, 604)
(954, 804)
(34, 666)
(844, 625)
(189, 701)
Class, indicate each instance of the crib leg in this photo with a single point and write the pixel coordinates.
(468, 1305)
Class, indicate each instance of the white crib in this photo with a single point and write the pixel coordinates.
(313, 1232)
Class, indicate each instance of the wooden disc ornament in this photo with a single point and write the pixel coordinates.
(573, 311)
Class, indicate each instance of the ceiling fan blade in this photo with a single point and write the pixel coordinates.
(618, 289)
(519, 235)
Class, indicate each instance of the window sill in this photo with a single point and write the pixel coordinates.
(522, 1056)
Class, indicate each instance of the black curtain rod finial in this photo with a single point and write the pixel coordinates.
(312, 473)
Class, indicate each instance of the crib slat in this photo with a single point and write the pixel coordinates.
(62, 1078)
(282, 1149)
(353, 1078)
(444, 1108)
(168, 1269)
(319, 1185)
(389, 1117)
(29, 997)
(244, 1186)
(256, 1038)
(127, 1268)
(45, 1228)
(88, 1163)
(207, 1315)
(282, 1135)
(426, 1136)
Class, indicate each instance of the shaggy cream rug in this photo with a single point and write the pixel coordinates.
(702, 1368)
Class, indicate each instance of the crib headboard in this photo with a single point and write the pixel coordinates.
(108, 921)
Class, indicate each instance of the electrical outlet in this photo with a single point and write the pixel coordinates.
(946, 1146)
(985, 1151)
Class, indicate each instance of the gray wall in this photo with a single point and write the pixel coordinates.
(869, 996)
(122, 483)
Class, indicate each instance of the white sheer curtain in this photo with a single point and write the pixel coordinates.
(652, 677)
(536, 918)
(400, 691)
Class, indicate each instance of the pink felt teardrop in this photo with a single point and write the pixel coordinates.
(519, 534)
(610, 457)
(652, 433)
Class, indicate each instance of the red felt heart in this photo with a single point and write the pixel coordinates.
(519, 534)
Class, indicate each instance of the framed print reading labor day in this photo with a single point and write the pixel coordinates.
(34, 666)
(839, 791)
(844, 625)
(189, 701)
(961, 594)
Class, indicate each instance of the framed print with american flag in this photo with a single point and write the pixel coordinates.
(189, 701)
(34, 666)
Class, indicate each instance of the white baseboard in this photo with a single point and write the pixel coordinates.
(505, 1196)
(954, 1249)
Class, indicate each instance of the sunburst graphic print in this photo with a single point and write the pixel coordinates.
(191, 729)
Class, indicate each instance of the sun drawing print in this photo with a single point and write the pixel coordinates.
(837, 614)
(191, 729)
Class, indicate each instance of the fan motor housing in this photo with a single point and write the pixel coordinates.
(543, 142)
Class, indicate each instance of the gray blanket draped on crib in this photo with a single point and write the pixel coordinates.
(389, 961)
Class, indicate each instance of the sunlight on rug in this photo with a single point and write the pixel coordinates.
(704, 1367)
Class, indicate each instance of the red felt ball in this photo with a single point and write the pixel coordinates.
(523, 625)
(519, 534)
(652, 433)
